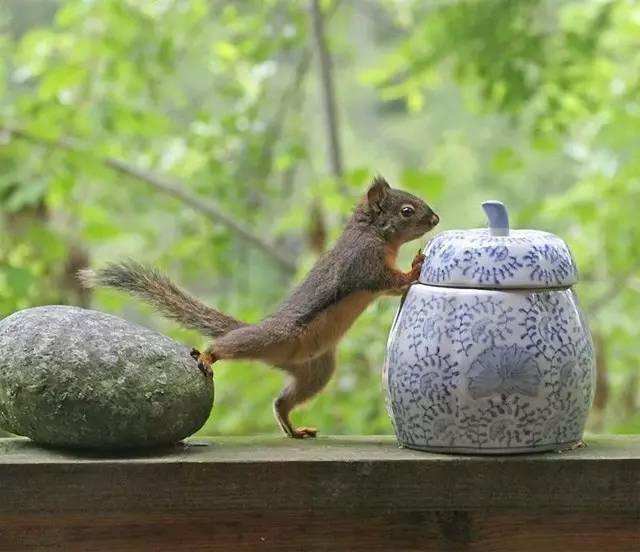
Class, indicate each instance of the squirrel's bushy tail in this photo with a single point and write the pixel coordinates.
(155, 288)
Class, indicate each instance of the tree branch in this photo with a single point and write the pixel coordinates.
(176, 190)
(285, 103)
(290, 99)
(169, 187)
(327, 88)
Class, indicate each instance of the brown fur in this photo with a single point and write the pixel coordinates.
(301, 337)
(152, 286)
(291, 344)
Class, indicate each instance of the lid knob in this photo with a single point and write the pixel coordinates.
(498, 217)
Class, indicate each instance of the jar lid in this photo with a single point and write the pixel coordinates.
(498, 257)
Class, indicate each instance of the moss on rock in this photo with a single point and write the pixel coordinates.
(79, 378)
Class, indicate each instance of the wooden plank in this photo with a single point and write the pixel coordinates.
(327, 475)
(288, 531)
(329, 494)
(277, 449)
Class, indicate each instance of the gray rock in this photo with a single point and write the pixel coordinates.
(79, 378)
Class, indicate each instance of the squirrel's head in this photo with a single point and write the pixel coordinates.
(399, 216)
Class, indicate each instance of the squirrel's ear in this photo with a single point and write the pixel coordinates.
(377, 193)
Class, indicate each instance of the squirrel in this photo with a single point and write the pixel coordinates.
(301, 336)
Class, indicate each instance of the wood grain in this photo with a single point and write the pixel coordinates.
(328, 474)
(425, 531)
(330, 494)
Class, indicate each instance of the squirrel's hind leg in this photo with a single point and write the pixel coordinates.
(306, 381)
(255, 342)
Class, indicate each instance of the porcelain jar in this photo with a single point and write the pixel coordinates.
(490, 352)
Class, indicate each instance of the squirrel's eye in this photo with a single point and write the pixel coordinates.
(407, 211)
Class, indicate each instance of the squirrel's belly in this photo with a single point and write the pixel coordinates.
(328, 327)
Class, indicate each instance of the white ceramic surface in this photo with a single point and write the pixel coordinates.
(489, 371)
(523, 259)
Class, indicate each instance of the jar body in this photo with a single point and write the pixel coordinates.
(488, 372)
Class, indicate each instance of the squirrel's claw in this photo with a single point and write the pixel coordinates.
(205, 360)
(416, 266)
(418, 260)
(206, 370)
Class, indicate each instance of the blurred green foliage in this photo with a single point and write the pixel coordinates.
(535, 102)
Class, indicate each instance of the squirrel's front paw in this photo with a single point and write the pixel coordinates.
(416, 265)
(418, 260)
(205, 360)
(302, 432)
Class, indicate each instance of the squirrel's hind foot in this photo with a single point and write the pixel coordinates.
(205, 360)
(304, 432)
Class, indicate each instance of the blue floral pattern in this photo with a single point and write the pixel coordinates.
(503, 370)
(488, 370)
(474, 258)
